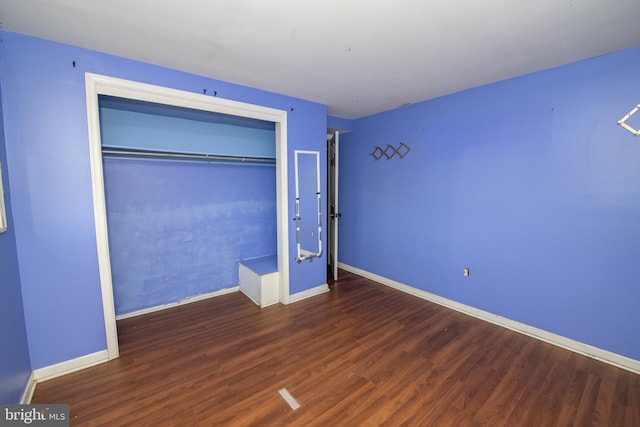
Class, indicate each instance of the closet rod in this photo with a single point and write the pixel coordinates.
(189, 156)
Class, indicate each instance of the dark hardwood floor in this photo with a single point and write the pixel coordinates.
(360, 355)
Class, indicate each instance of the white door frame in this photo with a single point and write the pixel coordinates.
(103, 85)
(332, 189)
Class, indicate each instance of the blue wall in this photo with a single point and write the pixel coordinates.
(48, 158)
(15, 366)
(529, 182)
(178, 229)
(340, 124)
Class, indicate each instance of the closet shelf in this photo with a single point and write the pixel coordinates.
(174, 155)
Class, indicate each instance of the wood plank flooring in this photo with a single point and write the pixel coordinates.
(361, 355)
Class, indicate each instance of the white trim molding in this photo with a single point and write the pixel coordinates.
(184, 301)
(596, 353)
(29, 389)
(69, 366)
(309, 293)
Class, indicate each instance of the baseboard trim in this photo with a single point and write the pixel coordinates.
(177, 303)
(596, 353)
(69, 366)
(309, 293)
(29, 389)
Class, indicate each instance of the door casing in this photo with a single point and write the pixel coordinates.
(104, 85)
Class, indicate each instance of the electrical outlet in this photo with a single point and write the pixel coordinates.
(466, 272)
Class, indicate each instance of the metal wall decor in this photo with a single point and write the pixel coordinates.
(622, 121)
(402, 150)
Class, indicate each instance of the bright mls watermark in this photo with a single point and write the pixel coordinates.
(34, 415)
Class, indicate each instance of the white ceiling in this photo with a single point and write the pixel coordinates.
(358, 57)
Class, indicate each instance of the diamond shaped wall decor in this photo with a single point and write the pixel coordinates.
(622, 121)
(402, 150)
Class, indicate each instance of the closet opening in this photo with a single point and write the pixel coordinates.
(189, 195)
(185, 186)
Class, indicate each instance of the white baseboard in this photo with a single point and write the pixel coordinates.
(596, 353)
(29, 389)
(177, 303)
(309, 293)
(69, 366)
